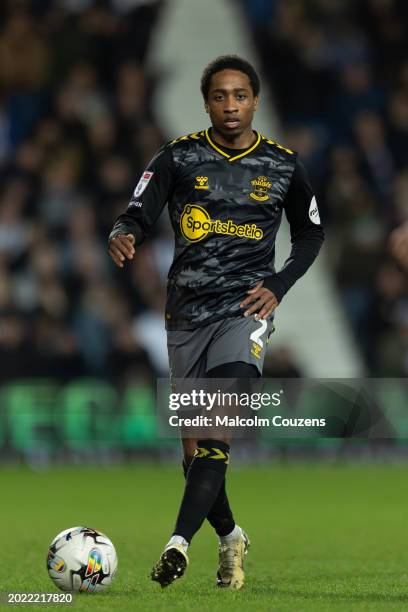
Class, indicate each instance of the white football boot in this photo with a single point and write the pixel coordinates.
(231, 551)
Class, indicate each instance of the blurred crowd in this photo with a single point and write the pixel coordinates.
(76, 130)
(338, 70)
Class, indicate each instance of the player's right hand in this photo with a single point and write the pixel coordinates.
(120, 247)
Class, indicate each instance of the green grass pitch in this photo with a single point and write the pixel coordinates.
(323, 537)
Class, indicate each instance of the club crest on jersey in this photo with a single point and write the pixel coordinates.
(260, 185)
(202, 182)
(143, 183)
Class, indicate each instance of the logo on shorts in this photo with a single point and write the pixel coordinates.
(255, 337)
(256, 350)
(260, 185)
(196, 224)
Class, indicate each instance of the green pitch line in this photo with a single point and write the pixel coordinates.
(323, 537)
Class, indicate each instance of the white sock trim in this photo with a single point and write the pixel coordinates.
(235, 534)
(176, 539)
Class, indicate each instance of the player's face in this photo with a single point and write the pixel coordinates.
(231, 103)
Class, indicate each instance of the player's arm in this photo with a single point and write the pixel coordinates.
(307, 237)
(148, 200)
(306, 233)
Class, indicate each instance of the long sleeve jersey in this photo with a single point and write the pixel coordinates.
(225, 208)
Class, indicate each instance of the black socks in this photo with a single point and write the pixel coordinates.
(204, 483)
(220, 516)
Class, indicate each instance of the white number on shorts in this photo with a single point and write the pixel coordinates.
(256, 335)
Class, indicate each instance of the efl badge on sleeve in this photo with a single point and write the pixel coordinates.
(143, 183)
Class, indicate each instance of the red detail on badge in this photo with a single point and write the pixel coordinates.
(147, 175)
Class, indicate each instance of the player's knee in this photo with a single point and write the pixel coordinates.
(186, 464)
(189, 447)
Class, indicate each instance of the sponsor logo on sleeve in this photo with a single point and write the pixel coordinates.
(314, 212)
(143, 183)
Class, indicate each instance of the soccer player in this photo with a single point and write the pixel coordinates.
(226, 188)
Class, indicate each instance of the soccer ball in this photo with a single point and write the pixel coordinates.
(81, 559)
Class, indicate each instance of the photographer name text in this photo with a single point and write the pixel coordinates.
(237, 421)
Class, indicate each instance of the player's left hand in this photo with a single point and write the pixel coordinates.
(264, 302)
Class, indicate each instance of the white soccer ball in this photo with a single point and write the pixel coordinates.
(82, 559)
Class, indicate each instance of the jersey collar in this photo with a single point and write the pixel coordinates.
(229, 157)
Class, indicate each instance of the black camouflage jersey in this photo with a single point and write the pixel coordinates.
(225, 206)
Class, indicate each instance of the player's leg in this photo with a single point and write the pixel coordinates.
(206, 474)
(203, 482)
(204, 479)
(233, 541)
(187, 356)
(205, 494)
(237, 352)
(220, 516)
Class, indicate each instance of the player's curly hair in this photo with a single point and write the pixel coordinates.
(232, 62)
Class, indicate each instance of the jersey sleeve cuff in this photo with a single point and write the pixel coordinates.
(276, 285)
(135, 230)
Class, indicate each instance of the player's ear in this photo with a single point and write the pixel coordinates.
(207, 108)
(256, 102)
